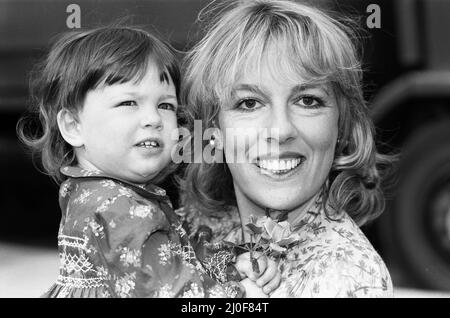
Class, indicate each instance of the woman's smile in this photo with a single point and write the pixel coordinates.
(282, 166)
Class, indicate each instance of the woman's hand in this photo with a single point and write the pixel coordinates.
(268, 279)
(252, 290)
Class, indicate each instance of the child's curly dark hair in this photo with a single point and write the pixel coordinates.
(80, 61)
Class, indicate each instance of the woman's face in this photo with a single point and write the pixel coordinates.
(288, 134)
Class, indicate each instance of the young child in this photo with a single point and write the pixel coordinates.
(107, 102)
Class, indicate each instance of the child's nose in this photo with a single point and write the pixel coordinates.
(151, 118)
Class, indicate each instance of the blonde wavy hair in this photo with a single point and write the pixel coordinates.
(314, 46)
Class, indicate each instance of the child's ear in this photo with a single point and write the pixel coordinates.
(70, 128)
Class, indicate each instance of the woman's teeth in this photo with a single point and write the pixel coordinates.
(149, 144)
(280, 165)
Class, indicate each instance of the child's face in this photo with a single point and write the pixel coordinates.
(126, 128)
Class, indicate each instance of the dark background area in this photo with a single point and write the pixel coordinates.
(407, 82)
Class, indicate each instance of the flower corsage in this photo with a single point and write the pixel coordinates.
(269, 238)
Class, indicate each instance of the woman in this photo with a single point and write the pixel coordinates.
(284, 80)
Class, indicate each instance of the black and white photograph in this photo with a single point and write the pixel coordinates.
(225, 149)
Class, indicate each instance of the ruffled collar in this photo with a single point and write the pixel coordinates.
(312, 210)
(77, 172)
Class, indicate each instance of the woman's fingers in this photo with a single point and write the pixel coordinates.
(273, 284)
(269, 274)
(262, 263)
(245, 268)
(262, 266)
(252, 290)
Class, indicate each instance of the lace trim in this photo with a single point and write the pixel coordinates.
(73, 241)
(216, 265)
(166, 251)
(75, 262)
(75, 282)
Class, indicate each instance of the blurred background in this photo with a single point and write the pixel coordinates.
(407, 80)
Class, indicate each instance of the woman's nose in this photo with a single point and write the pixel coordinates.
(151, 117)
(283, 129)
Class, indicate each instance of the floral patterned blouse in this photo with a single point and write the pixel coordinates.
(333, 258)
(121, 240)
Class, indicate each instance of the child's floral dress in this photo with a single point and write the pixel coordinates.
(121, 240)
(332, 258)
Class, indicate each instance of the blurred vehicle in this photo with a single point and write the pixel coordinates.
(407, 82)
(413, 113)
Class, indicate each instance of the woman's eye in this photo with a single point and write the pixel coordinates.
(310, 101)
(128, 103)
(248, 104)
(167, 106)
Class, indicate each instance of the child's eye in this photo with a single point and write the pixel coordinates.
(167, 106)
(128, 103)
